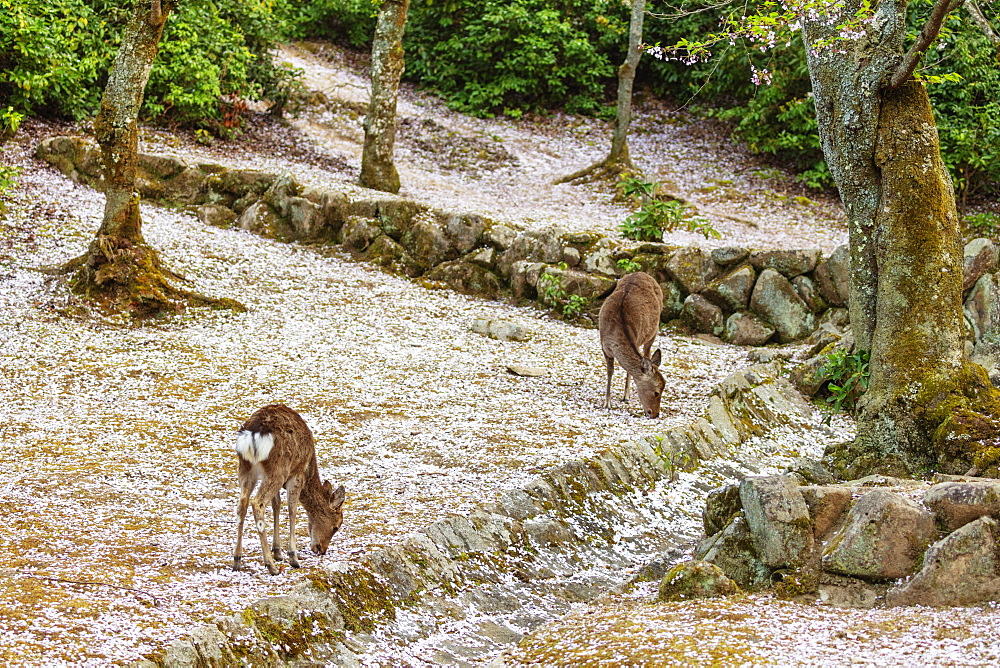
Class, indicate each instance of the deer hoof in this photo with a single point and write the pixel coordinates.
(272, 569)
(293, 560)
(237, 563)
(277, 553)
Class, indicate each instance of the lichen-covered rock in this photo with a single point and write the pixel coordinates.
(812, 471)
(790, 263)
(828, 506)
(729, 255)
(599, 259)
(261, 219)
(216, 215)
(732, 292)
(695, 579)
(427, 242)
(746, 329)
(501, 330)
(778, 519)
(809, 293)
(467, 278)
(721, 505)
(957, 503)
(464, 230)
(702, 315)
(673, 301)
(982, 308)
(692, 268)
(834, 277)
(980, 257)
(389, 254)
(961, 569)
(883, 538)
(733, 551)
(776, 301)
(358, 233)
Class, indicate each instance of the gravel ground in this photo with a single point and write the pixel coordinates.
(119, 482)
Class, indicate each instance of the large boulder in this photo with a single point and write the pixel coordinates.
(467, 278)
(729, 255)
(834, 277)
(673, 301)
(809, 292)
(955, 504)
(776, 301)
(428, 242)
(692, 268)
(982, 308)
(702, 315)
(732, 292)
(695, 579)
(746, 329)
(979, 258)
(778, 519)
(827, 507)
(883, 538)
(721, 506)
(961, 569)
(733, 551)
(790, 263)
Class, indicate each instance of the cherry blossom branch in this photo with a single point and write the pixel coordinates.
(929, 33)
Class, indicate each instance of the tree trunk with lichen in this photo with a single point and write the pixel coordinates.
(618, 159)
(927, 407)
(120, 272)
(378, 171)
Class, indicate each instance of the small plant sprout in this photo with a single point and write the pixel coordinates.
(846, 375)
(627, 265)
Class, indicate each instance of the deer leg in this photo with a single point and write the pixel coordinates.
(265, 494)
(628, 377)
(610, 361)
(246, 487)
(276, 537)
(293, 505)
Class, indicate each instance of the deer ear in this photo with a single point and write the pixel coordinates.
(657, 356)
(339, 495)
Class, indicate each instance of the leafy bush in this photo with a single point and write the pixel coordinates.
(347, 22)
(656, 216)
(487, 57)
(55, 56)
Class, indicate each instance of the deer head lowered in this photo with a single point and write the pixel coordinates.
(276, 450)
(630, 319)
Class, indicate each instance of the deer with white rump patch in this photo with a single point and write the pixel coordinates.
(276, 450)
(630, 319)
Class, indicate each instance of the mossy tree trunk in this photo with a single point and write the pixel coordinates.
(618, 159)
(927, 406)
(378, 171)
(120, 272)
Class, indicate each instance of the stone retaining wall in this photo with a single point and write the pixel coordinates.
(564, 537)
(744, 296)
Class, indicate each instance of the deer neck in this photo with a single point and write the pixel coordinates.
(630, 359)
(312, 489)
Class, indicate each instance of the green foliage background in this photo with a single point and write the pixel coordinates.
(484, 57)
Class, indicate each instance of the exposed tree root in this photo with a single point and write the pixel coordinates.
(605, 170)
(117, 275)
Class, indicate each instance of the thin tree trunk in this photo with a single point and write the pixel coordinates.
(378, 171)
(120, 272)
(626, 78)
(618, 159)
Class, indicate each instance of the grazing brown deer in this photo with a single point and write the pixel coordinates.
(630, 319)
(276, 449)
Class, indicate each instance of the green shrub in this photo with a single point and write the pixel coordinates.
(656, 216)
(846, 375)
(487, 57)
(347, 22)
(55, 56)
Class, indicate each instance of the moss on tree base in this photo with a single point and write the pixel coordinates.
(119, 276)
(950, 426)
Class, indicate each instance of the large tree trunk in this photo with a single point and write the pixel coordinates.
(120, 272)
(378, 170)
(927, 407)
(618, 159)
